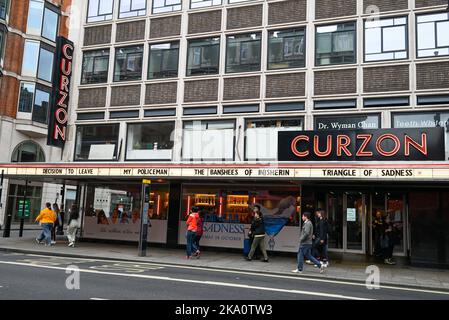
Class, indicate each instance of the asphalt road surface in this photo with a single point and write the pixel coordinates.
(28, 276)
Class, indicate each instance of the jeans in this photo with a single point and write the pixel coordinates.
(190, 247)
(258, 242)
(46, 233)
(196, 242)
(305, 251)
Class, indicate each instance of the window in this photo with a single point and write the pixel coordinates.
(335, 44)
(160, 6)
(349, 122)
(3, 9)
(128, 63)
(42, 21)
(386, 39)
(163, 60)
(34, 99)
(97, 142)
(37, 61)
(150, 141)
(203, 56)
(95, 66)
(243, 53)
(28, 151)
(2, 41)
(433, 35)
(100, 10)
(208, 140)
(236, 1)
(286, 49)
(261, 141)
(204, 3)
(132, 8)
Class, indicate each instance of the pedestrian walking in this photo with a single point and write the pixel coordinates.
(192, 226)
(46, 218)
(56, 224)
(388, 241)
(73, 225)
(320, 237)
(257, 230)
(305, 245)
(199, 233)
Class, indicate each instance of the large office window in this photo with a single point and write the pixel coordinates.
(243, 53)
(95, 66)
(286, 49)
(37, 61)
(34, 99)
(386, 39)
(42, 20)
(261, 141)
(203, 56)
(335, 44)
(150, 141)
(128, 63)
(163, 60)
(132, 8)
(433, 35)
(208, 140)
(160, 6)
(3, 8)
(204, 3)
(100, 10)
(97, 142)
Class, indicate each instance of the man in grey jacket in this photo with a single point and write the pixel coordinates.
(305, 244)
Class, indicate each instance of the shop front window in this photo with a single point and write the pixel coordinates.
(286, 49)
(97, 142)
(243, 53)
(150, 141)
(262, 136)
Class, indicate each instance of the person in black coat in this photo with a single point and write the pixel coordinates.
(258, 232)
(320, 237)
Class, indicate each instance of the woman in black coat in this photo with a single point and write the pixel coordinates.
(258, 232)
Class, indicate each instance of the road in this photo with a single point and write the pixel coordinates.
(30, 277)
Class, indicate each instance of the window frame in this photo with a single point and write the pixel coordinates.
(166, 6)
(36, 86)
(240, 50)
(7, 6)
(354, 23)
(117, 146)
(304, 35)
(201, 55)
(436, 34)
(382, 28)
(43, 46)
(98, 12)
(127, 59)
(202, 1)
(93, 65)
(130, 10)
(3, 37)
(54, 10)
(162, 59)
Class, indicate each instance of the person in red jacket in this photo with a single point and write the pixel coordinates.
(199, 234)
(192, 226)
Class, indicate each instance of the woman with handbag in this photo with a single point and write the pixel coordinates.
(73, 225)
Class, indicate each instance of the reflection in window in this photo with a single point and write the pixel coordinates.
(96, 142)
(203, 56)
(30, 58)
(163, 60)
(433, 35)
(28, 151)
(99, 10)
(35, 15)
(286, 49)
(335, 44)
(50, 25)
(95, 66)
(26, 97)
(41, 106)
(243, 53)
(160, 6)
(204, 3)
(45, 65)
(262, 137)
(128, 63)
(386, 39)
(3, 8)
(150, 141)
(132, 8)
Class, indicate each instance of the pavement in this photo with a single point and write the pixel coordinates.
(399, 275)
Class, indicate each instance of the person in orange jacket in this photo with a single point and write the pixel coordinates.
(46, 218)
(192, 225)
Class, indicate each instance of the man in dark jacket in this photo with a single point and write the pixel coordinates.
(305, 244)
(320, 237)
(258, 232)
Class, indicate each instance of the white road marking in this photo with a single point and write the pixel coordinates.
(303, 277)
(98, 299)
(225, 284)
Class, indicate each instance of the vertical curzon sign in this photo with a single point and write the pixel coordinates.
(62, 74)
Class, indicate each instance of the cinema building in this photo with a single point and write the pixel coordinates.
(293, 105)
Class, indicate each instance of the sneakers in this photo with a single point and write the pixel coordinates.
(38, 241)
(297, 271)
(265, 260)
(71, 244)
(248, 259)
(197, 254)
(322, 266)
(309, 262)
(53, 242)
(389, 262)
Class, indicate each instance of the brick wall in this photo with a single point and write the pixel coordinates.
(92, 98)
(18, 15)
(335, 82)
(130, 31)
(335, 8)
(432, 75)
(165, 27)
(201, 90)
(9, 93)
(241, 88)
(385, 79)
(160, 93)
(125, 96)
(97, 35)
(285, 85)
(386, 5)
(287, 11)
(13, 53)
(430, 3)
(205, 21)
(244, 17)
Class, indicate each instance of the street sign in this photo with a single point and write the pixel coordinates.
(27, 208)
